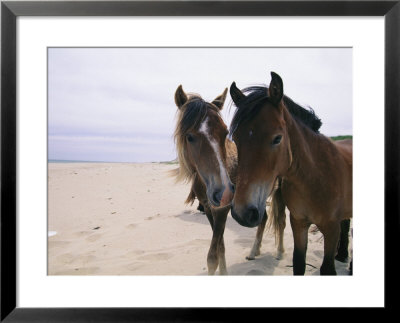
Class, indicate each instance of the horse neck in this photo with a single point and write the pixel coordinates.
(303, 143)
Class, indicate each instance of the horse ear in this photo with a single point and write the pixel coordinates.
(275, 90)
(220, 100)
(180, 97)
(236, 94)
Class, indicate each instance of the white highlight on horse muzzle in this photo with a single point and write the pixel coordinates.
(258, 194)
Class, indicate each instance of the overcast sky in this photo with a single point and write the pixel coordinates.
(117, 104)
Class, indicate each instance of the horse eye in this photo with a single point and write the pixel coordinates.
(277, 140)
(189, 138)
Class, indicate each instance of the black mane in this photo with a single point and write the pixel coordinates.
(257, 96)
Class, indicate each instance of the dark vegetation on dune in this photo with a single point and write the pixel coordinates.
(342, 137)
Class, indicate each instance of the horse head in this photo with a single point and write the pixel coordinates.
(260, 133)
(200, 139)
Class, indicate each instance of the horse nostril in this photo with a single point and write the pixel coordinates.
(253, 215)
(247, 217)
(217, 196)
(233, 188)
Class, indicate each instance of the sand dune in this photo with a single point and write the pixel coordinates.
(130, 219)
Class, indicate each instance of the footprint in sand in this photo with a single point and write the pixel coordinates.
(58, 244)
(78, 271)
(244, 242)
(69, 258)
(132, 254)
(81, 234)
(65, 258)
(319, 253)
(94, 237)
(156, 256)
(152, 217)
(82, 259)
(199, 242)
(134, 266)
(131, 226)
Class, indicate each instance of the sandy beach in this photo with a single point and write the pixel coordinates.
(130, 219)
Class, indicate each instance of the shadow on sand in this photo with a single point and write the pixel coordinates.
(263, 265)
(201, 218)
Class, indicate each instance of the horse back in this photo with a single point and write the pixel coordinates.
(345, 148)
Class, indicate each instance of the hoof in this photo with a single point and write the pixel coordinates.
(212, 269)
(279, 256)
(327, 271)
(250, 257)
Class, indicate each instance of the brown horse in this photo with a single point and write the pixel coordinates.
(208, 159)
(276, 139)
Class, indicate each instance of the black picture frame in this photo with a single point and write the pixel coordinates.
(10, 10)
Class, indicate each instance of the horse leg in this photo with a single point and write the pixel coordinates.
(255, 251)
(221, 258)
(300, 236)
(351, 262)
(343, 252)
(331, 234)
(221, 220)
(217, 247)
(278, 214)
(210, 217)
(212, 263)
(282, 225)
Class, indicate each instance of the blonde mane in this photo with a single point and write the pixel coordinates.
(189, 117)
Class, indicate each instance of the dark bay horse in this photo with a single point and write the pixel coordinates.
(276, 139)
(208, 160)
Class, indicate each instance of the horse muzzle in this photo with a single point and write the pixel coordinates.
(248, 217)
(220, 197)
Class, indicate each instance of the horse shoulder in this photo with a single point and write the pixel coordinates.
(321, 185)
